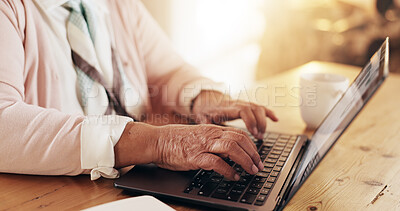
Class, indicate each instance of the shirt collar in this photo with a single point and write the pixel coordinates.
(48, 5)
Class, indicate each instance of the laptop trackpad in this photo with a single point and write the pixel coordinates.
(152, 179)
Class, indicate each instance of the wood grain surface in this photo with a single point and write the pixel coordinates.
(361, 172)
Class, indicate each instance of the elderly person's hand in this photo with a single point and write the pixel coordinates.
(188, 147)
(215, 107)
(192, 147)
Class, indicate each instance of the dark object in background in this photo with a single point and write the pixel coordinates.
(388, 10)
(340, 32)
(383, 6)
(375, 44)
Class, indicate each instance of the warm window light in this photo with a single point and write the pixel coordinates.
(219, 37)
(225, 39)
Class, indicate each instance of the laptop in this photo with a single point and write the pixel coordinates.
(288, 159)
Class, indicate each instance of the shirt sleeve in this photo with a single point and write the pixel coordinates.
(33, 140)
(177, 82)
(45, 141)
(99, 135)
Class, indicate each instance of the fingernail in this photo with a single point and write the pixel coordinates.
(255, 131)
(254, 169)
(260, 166)
(260, 135)
(236, 177)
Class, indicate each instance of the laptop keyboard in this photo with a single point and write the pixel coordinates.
(250, 189)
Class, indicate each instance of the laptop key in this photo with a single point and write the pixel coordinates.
(197, 179)
(271, 179)
(199, 184)
(273, 136)
(215, 174)
(248, 198)
(240, 186)
(188, 189)
(253, 190)
(237, 191)
(273, 141)
(244, 180)
(283, 141)
(221, 190)
(269, 165)
(264, 152)
(284, 136)
(208, 173)
(268, 185)
(264, 191)
(276, 152)
(261, 197)
(260, 179)
(273, 156)
(215, 179)
(280, 145)
(207, 189)
(269, 160)
(280, 163)
(277, 168)
(233, 197)
(262, 174)
(267, 170)
(257, 185)
(268, 144)
(225, 184)
(274, 174)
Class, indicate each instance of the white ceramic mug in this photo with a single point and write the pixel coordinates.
(319, 92)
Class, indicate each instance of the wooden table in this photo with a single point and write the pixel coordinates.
(362, 171)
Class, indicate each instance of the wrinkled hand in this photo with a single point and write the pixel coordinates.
(212, 107)
(192, 147)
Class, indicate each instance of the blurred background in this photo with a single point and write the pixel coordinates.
(239, 41)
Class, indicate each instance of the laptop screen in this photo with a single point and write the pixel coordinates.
(352, 101)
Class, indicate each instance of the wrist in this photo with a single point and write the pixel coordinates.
(163, 136)
(137, 145)
(208, 98)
